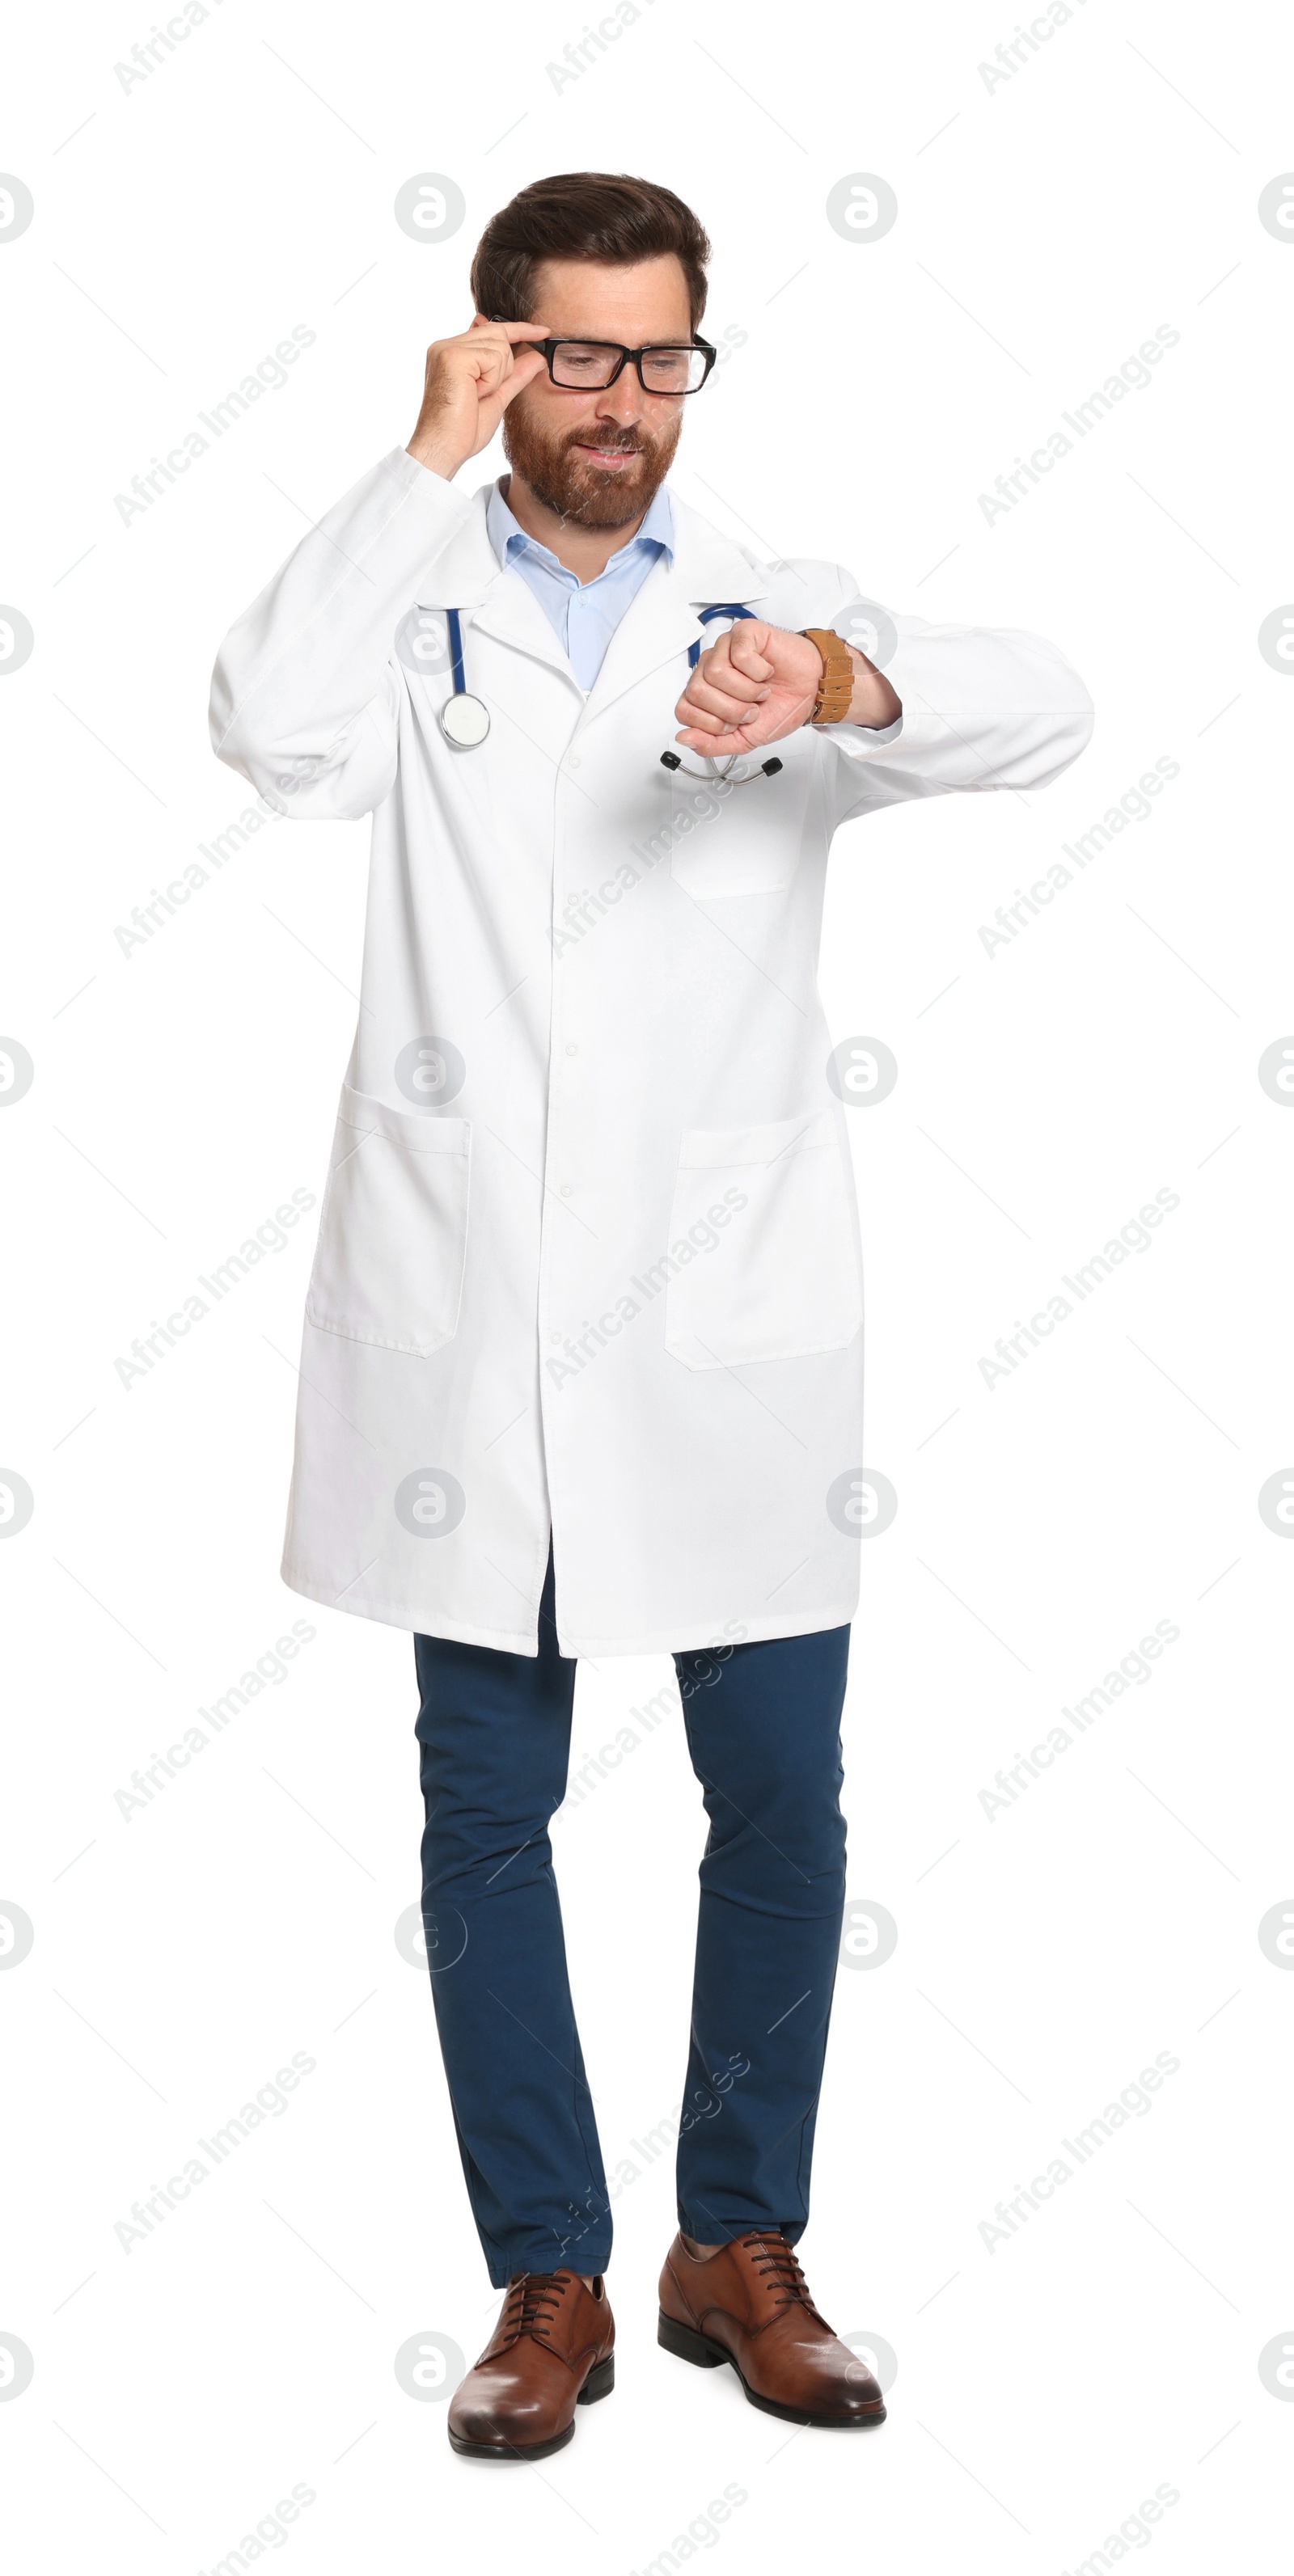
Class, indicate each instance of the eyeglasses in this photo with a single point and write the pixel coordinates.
(591, 365)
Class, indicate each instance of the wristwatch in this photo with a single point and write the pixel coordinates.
(836, 687)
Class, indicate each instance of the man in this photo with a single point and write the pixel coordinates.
(582, 1356)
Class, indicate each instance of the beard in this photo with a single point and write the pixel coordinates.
(576, 489)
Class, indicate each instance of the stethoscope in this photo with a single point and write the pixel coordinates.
(716, 772)
(465, 720)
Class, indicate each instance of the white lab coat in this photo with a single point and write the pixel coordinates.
(588, 1252)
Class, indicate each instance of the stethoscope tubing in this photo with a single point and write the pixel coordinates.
(472, 714)
(713, 775)
(456, 651)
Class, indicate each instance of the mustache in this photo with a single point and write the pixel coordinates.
(617, 446)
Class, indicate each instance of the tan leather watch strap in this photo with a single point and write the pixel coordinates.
(836, 687)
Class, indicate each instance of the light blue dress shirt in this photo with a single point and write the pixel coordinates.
(583, 615)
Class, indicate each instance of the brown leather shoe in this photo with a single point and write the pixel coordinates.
(552, 2350)
(749, 2304)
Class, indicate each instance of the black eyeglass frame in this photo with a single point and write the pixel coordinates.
(548, 348)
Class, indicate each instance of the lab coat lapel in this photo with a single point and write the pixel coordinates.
(658, 625)
(661, 621)
(467, 575)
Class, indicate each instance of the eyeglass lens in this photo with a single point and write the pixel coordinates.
(592, 364)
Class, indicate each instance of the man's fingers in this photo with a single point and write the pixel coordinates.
(499, 371)
(738, 650)
(732, 704)
(713, 709)
(718, 672)
(739, 729)
(714, 746)
(700, 697)
(496, 347)
(512, 330)
(522, 372)
(745, 652)
(701, 719)
(735, 683)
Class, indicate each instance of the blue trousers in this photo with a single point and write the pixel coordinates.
(763, 1733)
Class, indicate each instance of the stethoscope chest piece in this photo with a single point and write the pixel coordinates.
(463, 720)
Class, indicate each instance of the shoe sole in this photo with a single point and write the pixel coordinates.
(698, 2349)
(600, 2382)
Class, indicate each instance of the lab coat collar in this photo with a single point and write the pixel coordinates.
(466, 574)
(660, 621)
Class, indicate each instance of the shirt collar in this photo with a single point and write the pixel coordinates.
(509, 538)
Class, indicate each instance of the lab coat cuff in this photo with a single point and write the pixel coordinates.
(427, 489)
(858, 740)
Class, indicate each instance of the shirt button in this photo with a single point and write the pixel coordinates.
(566, 1189)
(573, 760)
(572, 1050)
(554, 1337)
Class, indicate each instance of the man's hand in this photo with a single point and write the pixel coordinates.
(469, 384)
(760, 682)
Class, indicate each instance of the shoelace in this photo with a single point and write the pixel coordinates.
(534, 2299)
(771, 2254)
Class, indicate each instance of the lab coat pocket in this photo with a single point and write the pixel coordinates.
(393, 1230)
(774, 1272)
(725, 842)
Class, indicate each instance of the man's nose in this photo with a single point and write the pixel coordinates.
(622, 401)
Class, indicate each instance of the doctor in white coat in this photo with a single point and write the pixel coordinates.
(582, 1357)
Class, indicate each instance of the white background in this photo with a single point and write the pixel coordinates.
(1046, 227)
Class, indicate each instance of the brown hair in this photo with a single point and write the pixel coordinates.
(584, 214)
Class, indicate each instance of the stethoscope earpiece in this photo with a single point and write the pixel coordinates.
(717, 776)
